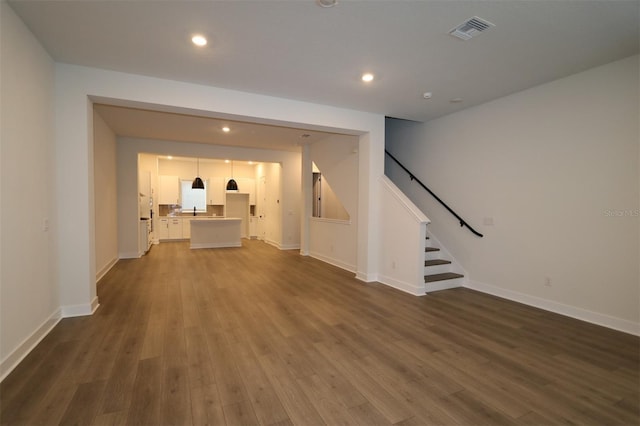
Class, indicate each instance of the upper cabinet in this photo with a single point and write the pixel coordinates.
(215, 191)
(169, 191)
(247, 186)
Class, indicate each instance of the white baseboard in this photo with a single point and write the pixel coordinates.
(402, 286)
(558, 308)
(289, 247)
(106, 269)
(69, 311)
(367, 278)
(129, 255)
(282, 246)
(272, 243)
(332, 261)
(18, 354)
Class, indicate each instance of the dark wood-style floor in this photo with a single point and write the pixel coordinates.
(260, 336)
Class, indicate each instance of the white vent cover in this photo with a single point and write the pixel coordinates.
(471, 28)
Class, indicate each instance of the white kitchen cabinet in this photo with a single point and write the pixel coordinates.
(162, 228)
(215, 191)
(175, 228)
(186, 227)
(247, 186)
(169, 191)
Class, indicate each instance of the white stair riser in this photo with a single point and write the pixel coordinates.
(437, 269)
(430, 255)
(444, 284)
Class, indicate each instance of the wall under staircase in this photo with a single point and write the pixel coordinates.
(411, 259)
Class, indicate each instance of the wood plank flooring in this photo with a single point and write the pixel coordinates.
(255, 335)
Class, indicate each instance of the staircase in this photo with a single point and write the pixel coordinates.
(438, 272)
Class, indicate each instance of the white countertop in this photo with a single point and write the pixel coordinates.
(216, 219)
(192, 217)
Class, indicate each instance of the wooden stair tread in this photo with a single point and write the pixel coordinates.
(435, 262)
(440, 277)
(431, 249)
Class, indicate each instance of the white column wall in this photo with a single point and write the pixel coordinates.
(106, 200)
(306, 194)
(370, 168)
(332, 241)
(29, 303)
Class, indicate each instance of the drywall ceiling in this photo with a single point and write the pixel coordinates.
(149, 124)
(298, 50)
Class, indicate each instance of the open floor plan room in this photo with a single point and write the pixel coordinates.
(256, 335)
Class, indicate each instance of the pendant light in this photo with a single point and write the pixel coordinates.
(197, 182)
(232, 185)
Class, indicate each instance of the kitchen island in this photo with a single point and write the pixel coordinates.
(215, 233)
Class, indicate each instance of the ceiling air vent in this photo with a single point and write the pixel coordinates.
(471, 28)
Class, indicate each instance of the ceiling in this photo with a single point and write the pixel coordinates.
(146, 124)
(298, 50)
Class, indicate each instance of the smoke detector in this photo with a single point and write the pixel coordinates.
(471, 28)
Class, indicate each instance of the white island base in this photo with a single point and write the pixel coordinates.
(215, 233)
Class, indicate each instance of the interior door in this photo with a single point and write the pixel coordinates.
(262, 202)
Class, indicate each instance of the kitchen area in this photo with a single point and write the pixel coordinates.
(226, 203)
(138, 181)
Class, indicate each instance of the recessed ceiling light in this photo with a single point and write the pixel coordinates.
(169, 157)
(326, 3)
(226, 129)
(250, 162)
(199, 40)
(226, 161)
(367, 77)
(427, 95)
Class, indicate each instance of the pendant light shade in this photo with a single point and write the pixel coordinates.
(232, 185)
(197, 182)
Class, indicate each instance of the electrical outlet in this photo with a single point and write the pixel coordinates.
(393, 265)
(45, 225)
(487, 221)
(547, 281)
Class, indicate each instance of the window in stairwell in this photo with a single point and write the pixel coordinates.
(326, 203)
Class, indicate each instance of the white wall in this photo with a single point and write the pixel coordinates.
(553, 166)
(106, 199)
(335, 241)
(28, 291)
(403, 230)
(332, 207)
